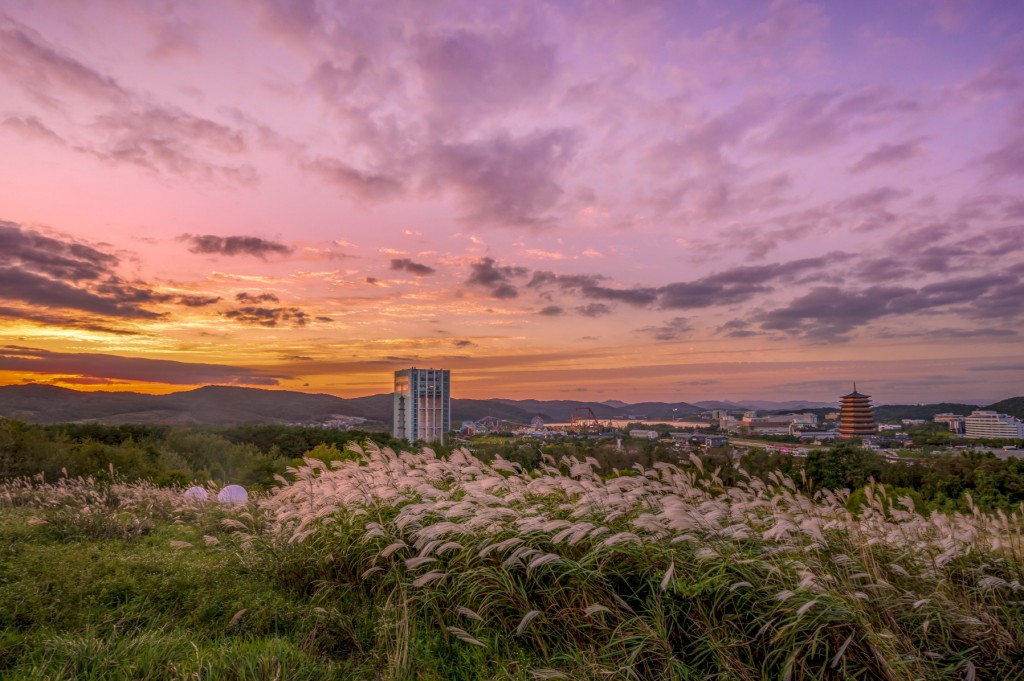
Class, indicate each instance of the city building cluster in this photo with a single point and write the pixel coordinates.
(422, 412)
(984, 424)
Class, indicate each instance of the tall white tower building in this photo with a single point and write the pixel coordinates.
(422, 404)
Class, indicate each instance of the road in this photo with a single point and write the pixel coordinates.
(743, 442)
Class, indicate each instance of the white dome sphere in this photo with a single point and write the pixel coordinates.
(233, 494)
(197, 493)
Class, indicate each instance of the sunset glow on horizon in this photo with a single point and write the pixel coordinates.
(555, 200)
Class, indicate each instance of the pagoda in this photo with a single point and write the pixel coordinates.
(856, 417)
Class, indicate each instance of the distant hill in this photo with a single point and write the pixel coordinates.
(211, 405)
(562, 410)
(223, 405)
(791, 405)
(474, 410)
(661, 410)
(718, 404)
(894, 413)
(1013, 406)
(765, 405)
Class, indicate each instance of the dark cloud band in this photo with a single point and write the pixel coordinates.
(115, 367)
(208, 244)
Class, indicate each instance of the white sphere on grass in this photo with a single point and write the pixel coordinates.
(197, 493)
(233, 494)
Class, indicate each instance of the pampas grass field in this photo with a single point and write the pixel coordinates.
(409, 566)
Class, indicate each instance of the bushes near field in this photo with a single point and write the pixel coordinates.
(250, 455)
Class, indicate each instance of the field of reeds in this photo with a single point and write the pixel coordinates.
(411, 566)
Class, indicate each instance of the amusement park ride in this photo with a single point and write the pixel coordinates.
(583, 419)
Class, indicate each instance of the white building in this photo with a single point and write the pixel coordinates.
(644, 434)
(805, 419)
(991, 424)
(774, 425)
(955, 422)
(422, 404)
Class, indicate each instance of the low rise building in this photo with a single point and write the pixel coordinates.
(776, 424)
(644, 434)
(816, 435)
(701, 438)
(990, 424)
(955, 422)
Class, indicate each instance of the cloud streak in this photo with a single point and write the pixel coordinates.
(407, 265)
(208, 244)
(272, 317)
(114, 367)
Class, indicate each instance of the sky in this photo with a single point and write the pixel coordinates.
(584, 200)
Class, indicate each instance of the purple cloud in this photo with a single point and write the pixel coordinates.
(674, 329)
(819, 120)
(32, 127)
(486, 273)
(468, 72)
(271, 317)
(407, 265)
(44, 71)
(252, 298)
(511, 181)
(208, 244)
(889, 154)
(51, 273)
(368, 185)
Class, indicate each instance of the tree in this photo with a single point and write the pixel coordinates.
(842, 466)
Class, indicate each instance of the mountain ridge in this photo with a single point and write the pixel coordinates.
(224, 405)
(227, 405)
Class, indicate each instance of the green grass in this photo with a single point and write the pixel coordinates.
(138, 609)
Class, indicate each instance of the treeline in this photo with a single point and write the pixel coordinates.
(933, 483)
(249, 455)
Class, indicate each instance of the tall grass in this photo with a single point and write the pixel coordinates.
(662, 573)
(85, 594)
(86, 508)
(407, 565)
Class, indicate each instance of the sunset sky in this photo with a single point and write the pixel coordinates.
(555, 200)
